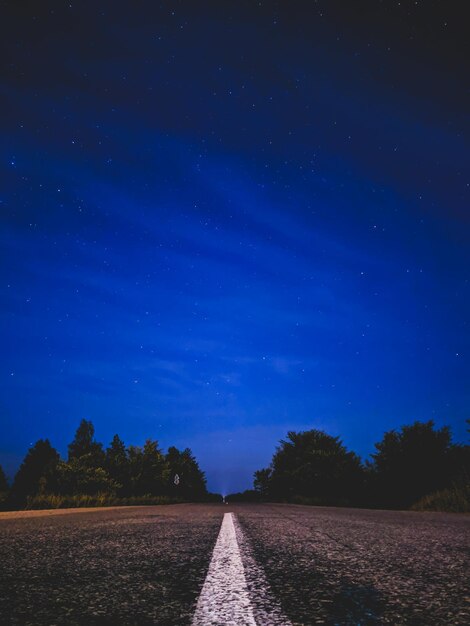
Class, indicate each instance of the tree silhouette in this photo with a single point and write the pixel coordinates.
(84, 472)
(411, 463)
(3, 481)
(85, 447)
(3, 489)
(152, 479)
(147, 469)
(315, 466)
(37, 470)
(117, 464)
(78, 478)
(90, 471)
(262, 481)
(192, 482)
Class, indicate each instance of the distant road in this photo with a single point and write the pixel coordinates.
(263, 565)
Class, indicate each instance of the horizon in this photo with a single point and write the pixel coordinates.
(223, 489)
(220, 224)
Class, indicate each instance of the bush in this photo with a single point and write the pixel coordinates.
(455, 499)
(78, 476)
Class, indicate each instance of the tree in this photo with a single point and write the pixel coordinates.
(458, 465)
(315, 466)
(3, 488)
(147, 469)
(117, 464)
(136, 461)
(85, 447)
(152, 478)
(192, 482)
(78, 478)
(411, 463)
(85, 471)
(3, 481)
(262, 482)
(249, 495)
(37, 470)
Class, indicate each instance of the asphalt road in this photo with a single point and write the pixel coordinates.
(351, 566)
(147, 565)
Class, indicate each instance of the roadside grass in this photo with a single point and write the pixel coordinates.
(50, 501)
(455, 499)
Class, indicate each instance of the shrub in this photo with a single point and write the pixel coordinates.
(455, 499)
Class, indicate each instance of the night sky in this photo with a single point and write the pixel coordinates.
(224, 220)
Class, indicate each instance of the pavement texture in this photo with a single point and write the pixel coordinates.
(140, 566)
(147, 565)
(352, 566)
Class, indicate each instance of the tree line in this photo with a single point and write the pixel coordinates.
(417, 466)
(119, 473)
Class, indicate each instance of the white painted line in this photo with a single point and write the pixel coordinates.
(226, 599)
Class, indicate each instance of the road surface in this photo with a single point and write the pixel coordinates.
(247, 565)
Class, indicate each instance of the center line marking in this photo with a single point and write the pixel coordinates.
(225, 596)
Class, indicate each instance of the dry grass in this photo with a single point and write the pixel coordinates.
(453, 500)
(49, 512)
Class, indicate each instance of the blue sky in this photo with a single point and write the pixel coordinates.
(223, 224)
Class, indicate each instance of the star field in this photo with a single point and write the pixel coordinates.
(223, 221)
